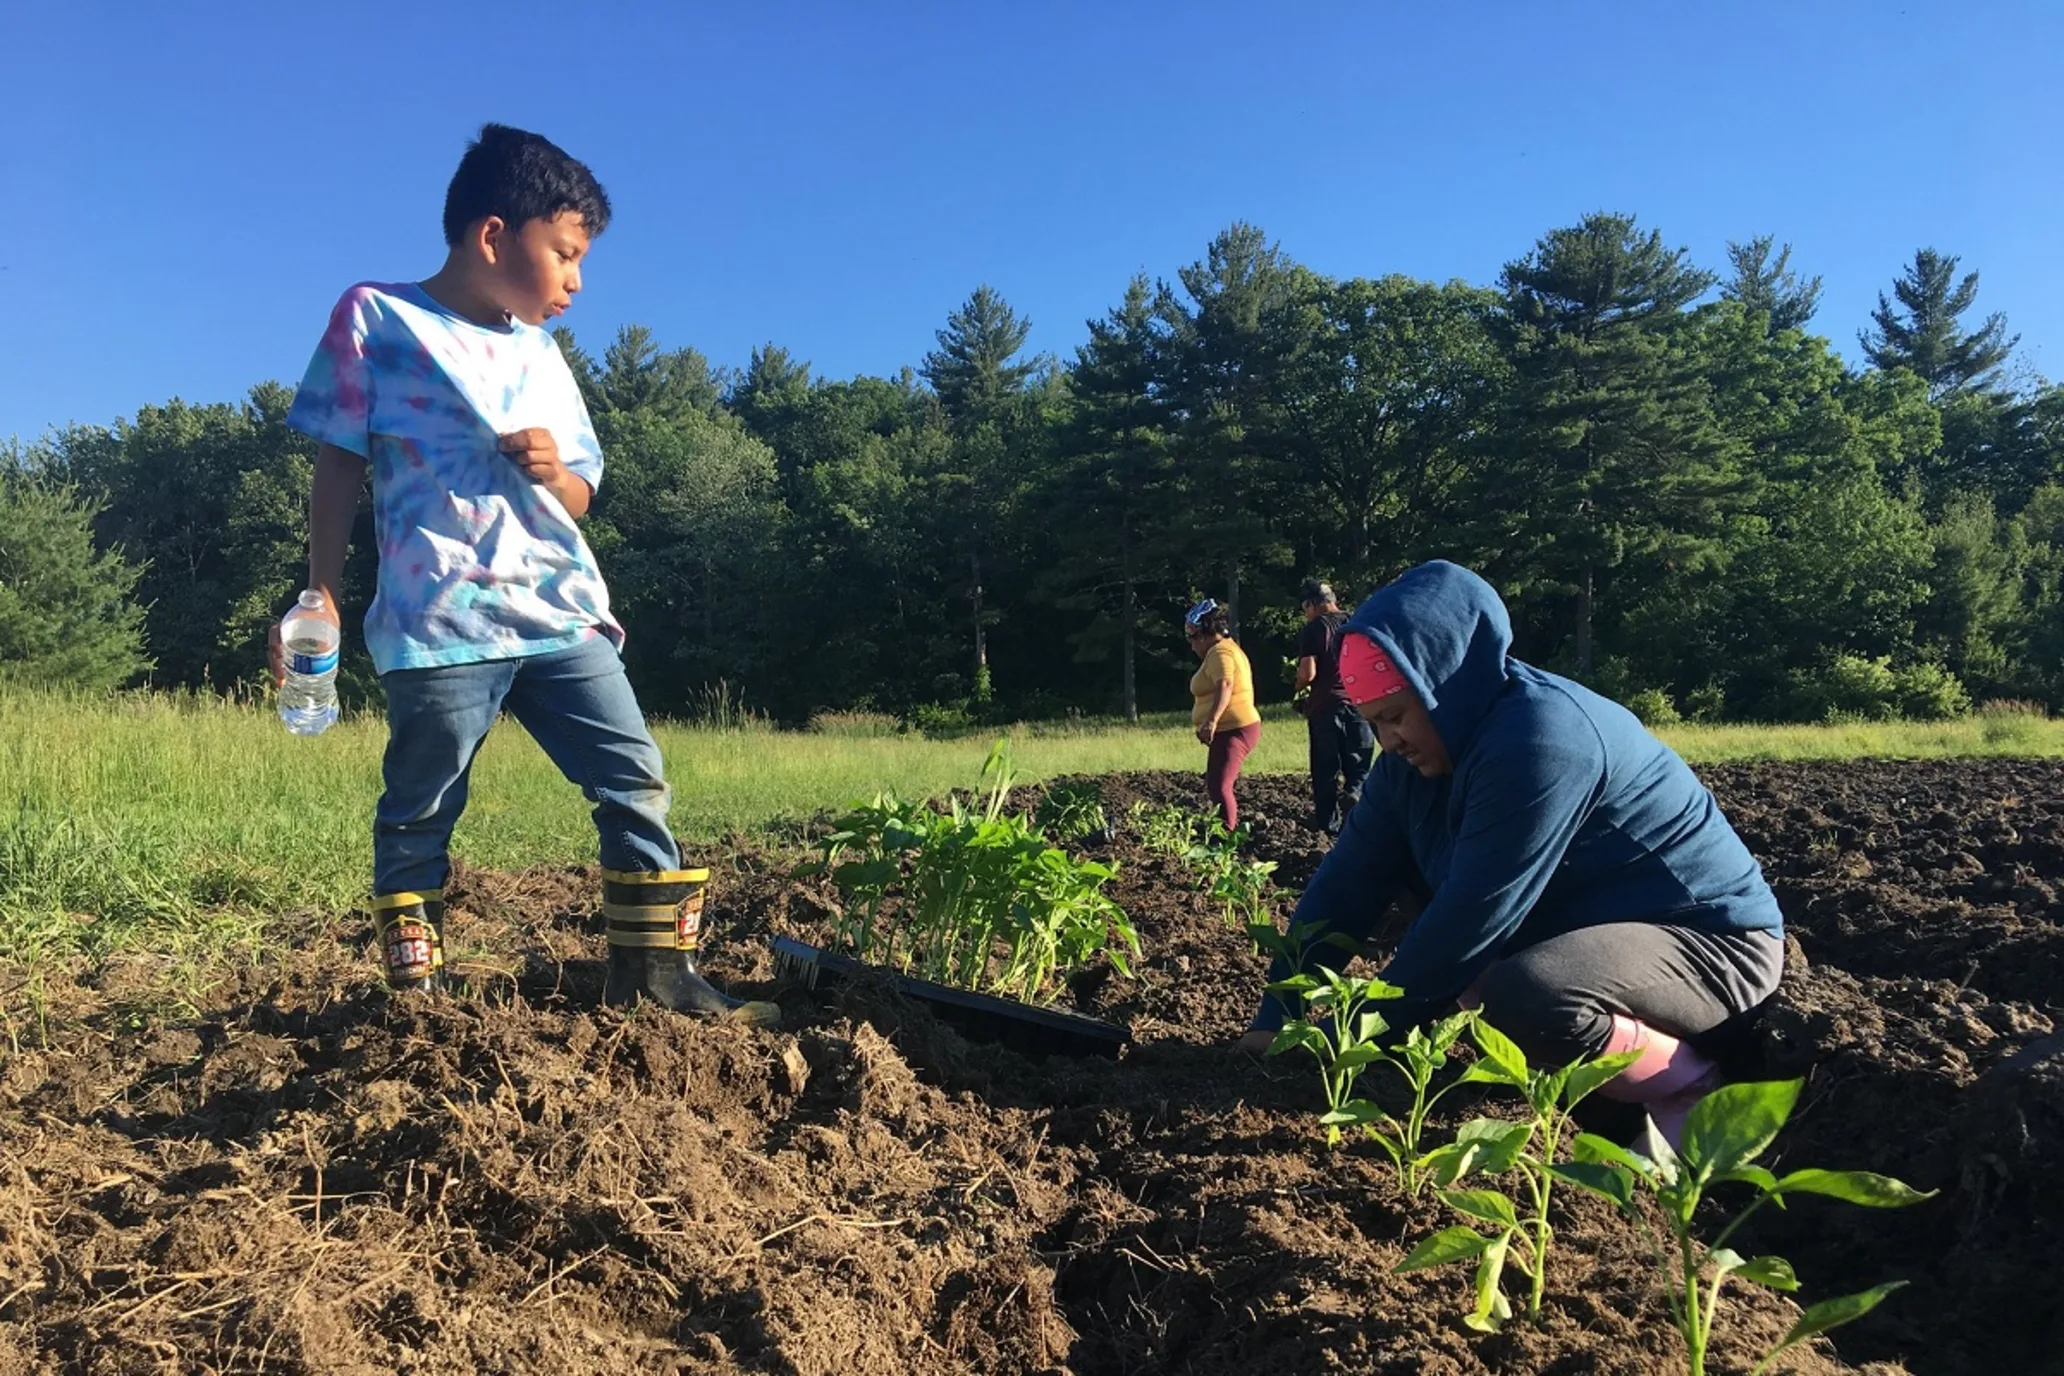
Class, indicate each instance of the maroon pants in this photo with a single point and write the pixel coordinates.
(1222, 768)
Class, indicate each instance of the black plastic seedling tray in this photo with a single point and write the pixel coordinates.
(978, 1017)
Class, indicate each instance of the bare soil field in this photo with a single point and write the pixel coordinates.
(288, 1171)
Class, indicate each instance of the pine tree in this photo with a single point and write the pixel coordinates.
(1924, 334)
(776, 401)
(66, 618)
(864, 545)
(1615, 445)
(982, 386)
(1103, 498)
(1770, 286)
(1223, 361)
(976, 369)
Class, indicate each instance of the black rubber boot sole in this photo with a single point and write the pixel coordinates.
(669, 979)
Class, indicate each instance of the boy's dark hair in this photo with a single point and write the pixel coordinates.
(520, 177)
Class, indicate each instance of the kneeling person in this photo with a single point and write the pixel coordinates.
(1585, 890)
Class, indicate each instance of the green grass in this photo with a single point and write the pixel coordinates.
(2010, 734)
(181, 824)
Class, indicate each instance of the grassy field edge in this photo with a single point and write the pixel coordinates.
(182, 823)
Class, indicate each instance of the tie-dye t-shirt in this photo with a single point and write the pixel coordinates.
(477, 561)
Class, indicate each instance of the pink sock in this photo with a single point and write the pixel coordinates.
(1667, 1078)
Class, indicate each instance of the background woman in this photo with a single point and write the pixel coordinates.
(1223, 713)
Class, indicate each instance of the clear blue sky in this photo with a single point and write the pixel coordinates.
(186, 187)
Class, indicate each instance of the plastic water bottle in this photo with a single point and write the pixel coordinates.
(308, 699)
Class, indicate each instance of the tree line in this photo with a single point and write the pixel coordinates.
(1688, 498)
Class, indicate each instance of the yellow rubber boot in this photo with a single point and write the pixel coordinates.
(410, 927)
(655, 928)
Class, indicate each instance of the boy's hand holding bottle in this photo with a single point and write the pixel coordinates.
(275, 648)
(303, 648)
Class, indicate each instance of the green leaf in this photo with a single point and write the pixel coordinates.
(1447, 1164)
(1486, 1317)
(1830, 1314)
(1749, 1175)
(1445, 1247)
(1297, 1034)
(1356, 1057)
(1338, 986)
(1858, 1187)
(1486, 1144)
(1392, 1148)
(1355, 1111)
(1589, 1075)
(1489, 1073)
(1608, 1182)
(1774, 1272)
(1497, 1143)
(1666, 1170)
(1544, 1087)
(1296, 984)
(1590, 1147)
(1731, 1126)
(1448, 1030)
(1501, 1051)
(1341, 941)
(1487, 1205)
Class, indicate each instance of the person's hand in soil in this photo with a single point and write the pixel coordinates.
(1255, 1043)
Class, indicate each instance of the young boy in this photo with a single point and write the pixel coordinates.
(483, 458)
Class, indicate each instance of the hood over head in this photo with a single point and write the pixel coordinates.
(1447, 631)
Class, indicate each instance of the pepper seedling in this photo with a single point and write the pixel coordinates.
(1073, 812)
(1165, 830)
(1340, 1031)
(1420, 1056)
(1488, 1146)
(1723, 1135)
(974, 897)
(1241, 887)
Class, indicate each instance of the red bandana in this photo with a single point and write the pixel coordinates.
(1366, 673)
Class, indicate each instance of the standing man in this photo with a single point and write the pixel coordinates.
(1342, 745)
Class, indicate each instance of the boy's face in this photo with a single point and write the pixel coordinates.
(534, 271)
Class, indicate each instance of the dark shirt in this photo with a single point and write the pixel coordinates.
(1320, 641)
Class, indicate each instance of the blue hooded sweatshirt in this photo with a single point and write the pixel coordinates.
(1562, 811)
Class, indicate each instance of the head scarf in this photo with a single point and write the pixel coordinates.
(1366, 673)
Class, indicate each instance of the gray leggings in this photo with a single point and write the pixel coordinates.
(1557, 998)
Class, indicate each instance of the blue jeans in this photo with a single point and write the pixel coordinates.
(576, 704)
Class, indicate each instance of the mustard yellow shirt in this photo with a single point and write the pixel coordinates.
(1224, 662)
